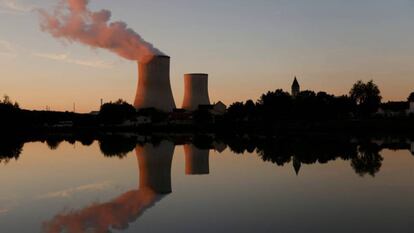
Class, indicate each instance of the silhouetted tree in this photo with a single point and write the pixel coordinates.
(275, 105)
(117, 112)
(236, 111)
(7, 101)
(367, 96)
(411, 97)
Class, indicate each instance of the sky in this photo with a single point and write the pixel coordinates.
(247, 47)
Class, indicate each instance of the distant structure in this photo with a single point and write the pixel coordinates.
(295, 87)
(195, 91)
(154, 88)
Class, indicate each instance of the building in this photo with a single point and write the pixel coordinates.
(394, 108)
(295, 88)
(219, 108)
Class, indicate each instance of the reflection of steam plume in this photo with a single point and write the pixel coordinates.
(196, 160)
(99, 218)
(155, 179)
(73, 21)
(155, 166)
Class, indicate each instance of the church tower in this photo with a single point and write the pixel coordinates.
(295, 88)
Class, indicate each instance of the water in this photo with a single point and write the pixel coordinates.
(284, 186)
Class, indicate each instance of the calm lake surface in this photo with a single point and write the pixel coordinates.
(169, 187)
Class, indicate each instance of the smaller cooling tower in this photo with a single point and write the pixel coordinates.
(196, 91)
(196, 160)
(154, 88)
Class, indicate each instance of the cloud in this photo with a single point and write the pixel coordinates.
(13, 6)
(7, 49)
(3, 211)
(64, 57)
(71, 191)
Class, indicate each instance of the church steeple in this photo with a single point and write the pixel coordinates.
(296, 165)
(295, 87)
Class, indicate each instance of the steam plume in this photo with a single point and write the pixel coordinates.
(73, 21)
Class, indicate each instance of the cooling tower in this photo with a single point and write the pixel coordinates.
(196, 91)
(155, 166)
(196, 160)
(154, 88)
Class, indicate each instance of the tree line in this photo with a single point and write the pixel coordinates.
(363, 101)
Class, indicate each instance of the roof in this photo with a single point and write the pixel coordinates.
(219, 103)
(165, 56)
(197, 74)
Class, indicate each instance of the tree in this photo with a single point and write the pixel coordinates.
(411, 97)
(9, 103)
(115, 113)
(236, 111)
(367, 96)
(277, 104)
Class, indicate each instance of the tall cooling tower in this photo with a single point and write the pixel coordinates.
(196, 91)
(154, 88)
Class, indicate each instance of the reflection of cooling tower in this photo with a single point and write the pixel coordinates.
(412, 147)
(196, 91)
(155, 166)
(196, 160)
(154, 89)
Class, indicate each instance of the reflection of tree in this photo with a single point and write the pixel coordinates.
(86, 141)
(53, 142)
(368, 160)
(116, 145)
(275, 151)
(10, 149)
(365, 159)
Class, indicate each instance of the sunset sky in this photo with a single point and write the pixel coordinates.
(247, 47)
